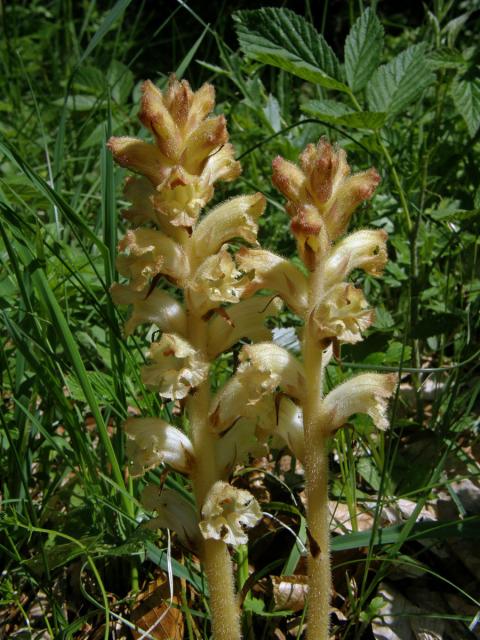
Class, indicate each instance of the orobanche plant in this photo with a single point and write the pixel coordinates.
(214, 300)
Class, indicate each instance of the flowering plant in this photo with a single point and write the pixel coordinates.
(271, 392)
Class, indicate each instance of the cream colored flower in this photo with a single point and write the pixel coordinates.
(157, 307)
(177, 367)
(152, 441)
(341, 315)
(364, 249)
(217, 280)
(150, 253)
(236, 446)
(264, 368)
(227, 512)
(174, 512)
(367, 393)
(277, 274)
(243, 320)
(235, 218)
(290, 426)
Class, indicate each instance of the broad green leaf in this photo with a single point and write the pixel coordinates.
(284, 39)
(394, 86)
(466, 96)
(446, 59)
(338, 113)
(363, 48)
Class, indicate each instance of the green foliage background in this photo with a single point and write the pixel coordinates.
(398, 90)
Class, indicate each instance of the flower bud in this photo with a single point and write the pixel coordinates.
(367, 393)
(177, 367)
(152, 441)
(227, 512)
(321, 196)
(141, 157)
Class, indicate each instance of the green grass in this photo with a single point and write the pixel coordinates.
(70, 77)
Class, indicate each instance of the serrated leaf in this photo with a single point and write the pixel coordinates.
(446, 59)
(338, 113)
(397, 84)
(466, 97)
(363, 48)
(284, 39)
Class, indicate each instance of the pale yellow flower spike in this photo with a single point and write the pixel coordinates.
(321, 198)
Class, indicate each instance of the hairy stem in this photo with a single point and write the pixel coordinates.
(316, 478)
(215, 556)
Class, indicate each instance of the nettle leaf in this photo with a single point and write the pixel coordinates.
(466, 97)
(284, 39)
(338, 113)
(363, 48)
(397, 84)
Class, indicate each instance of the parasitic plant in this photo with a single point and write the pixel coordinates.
(321, 198)
(215, 303)
(205, 314)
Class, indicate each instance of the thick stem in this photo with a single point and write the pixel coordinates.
(215, 557)
(316, 480)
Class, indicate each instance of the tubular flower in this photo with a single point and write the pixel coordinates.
(227, 512)
(152, 441)
(243, 320)
(157, 307)
(367, 393)
(235, 218)
(360, 250)
(174, 512)
(150, 253)
(276, 273)
(177, 367)
(215, 281)
(341, 315)
(321, 195)
(236, 445)
(264, 368)
(290, 426)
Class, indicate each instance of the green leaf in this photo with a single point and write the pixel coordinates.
(446, 59)
(363, 48)
(78, 102)
(338, 113)
(120, 79)
(394, 86)
(284, 39)
(466, 97)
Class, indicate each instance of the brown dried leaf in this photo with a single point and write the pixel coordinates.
(157, 611)
(289, 592)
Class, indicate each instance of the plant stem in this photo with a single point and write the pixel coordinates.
(316, 479)
(215, 555)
